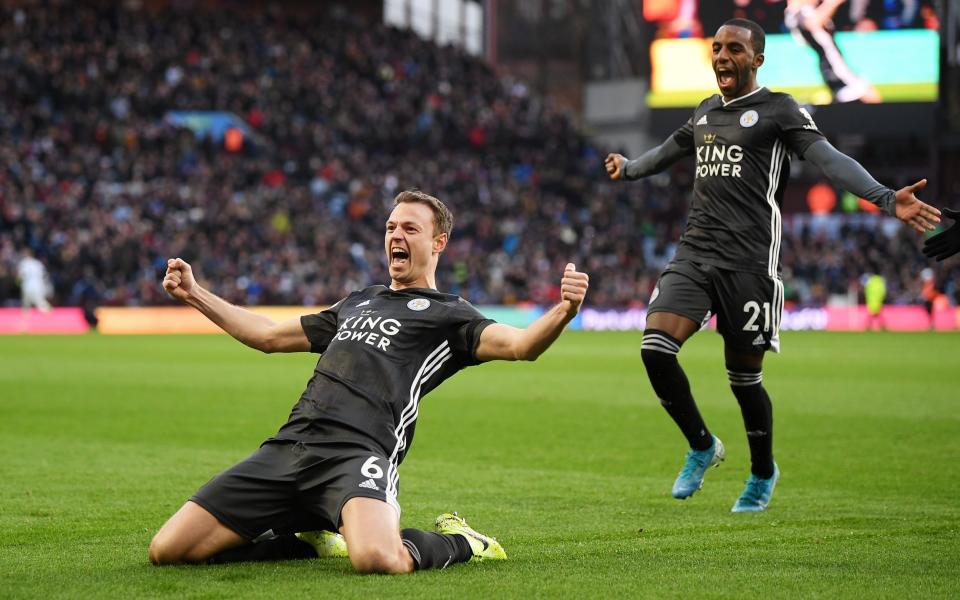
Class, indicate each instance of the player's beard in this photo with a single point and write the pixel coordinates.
(738, 80)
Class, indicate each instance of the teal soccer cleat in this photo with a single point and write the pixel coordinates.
(327, 543)
(482, 546)
(695, 467)
(756, 495)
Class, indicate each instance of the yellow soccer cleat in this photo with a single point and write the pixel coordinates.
(327, 543)
(483, 546)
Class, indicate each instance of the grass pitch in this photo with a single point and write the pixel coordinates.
(568, 461)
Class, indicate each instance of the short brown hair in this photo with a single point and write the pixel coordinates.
(442, 217)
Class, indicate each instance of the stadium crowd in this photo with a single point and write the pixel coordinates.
(342, 114)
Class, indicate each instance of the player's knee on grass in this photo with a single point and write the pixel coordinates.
(372, 531)
(381, 559)
(163, 552)
(191, 535)
(167, 550)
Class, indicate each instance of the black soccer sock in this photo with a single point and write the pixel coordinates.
(659, 353)
(282, 547)
(435, 550)
(757, 414)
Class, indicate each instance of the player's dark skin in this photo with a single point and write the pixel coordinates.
(735, 66)
(734, 62)
(726, 216)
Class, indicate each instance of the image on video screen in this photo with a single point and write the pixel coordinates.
(820, 51)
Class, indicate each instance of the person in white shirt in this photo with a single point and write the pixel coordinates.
(34, 286)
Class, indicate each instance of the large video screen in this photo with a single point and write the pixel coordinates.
(820, 51)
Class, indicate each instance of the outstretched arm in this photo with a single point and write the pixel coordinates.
(256, 331)
(503, 342)
(848, 174)
(652, 161)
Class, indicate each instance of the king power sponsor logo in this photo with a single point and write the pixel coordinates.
(369, 330)
(718, 160)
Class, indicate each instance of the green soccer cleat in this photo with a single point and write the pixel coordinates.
(482, 546)
(327, 543)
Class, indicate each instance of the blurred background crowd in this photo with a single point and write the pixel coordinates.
(338, 114)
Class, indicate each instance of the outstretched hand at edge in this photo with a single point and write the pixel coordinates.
(912, 211)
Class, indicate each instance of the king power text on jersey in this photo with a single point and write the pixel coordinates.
(373, 331)
(719, 160)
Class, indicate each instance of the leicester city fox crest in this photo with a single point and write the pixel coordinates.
(418, 304)
(749, 118)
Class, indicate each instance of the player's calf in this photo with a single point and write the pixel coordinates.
(659, 352)
(747, 386)
(435, 550)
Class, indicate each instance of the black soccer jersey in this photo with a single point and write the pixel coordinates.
(742, 151)
(382, 350)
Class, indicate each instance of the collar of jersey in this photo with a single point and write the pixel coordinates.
(415, 289)
(741, 97)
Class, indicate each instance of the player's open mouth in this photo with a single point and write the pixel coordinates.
(398, 256)
(726, 77)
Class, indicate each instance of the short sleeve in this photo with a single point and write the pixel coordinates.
(320, 327)
(797, 128)
(468, 324)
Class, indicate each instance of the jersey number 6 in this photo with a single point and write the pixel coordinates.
(371, 469)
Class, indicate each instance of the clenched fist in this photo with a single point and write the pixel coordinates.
(614, 164)
(573, 288)
(179, 281)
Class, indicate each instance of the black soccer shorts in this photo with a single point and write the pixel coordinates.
(748, 305)
(287, 486)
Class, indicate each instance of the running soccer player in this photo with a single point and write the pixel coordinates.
(34, 284)
(728, 259)
(334, 463)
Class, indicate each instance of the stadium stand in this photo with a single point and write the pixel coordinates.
(339, 115)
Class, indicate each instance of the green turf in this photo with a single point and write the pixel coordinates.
(568, 461)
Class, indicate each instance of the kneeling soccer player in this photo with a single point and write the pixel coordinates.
(333, 465)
